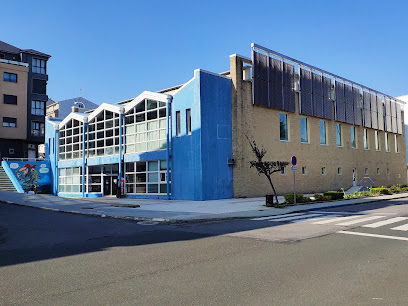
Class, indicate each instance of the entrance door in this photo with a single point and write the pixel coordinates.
(107, 185)
(354, 177)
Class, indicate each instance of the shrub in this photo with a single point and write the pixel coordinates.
(334, 195)
(300, 198)
(394, 189)
(404, 189)
(350, 196)
(404, 186)
(321, 197)
(380, 190)
(364, 193)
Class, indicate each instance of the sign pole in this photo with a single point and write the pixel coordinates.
(294, 188)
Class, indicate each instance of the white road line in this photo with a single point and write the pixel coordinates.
(275, 217)
(296, 217)
(338, 219)
(374, 235)
(360, 220)
(401, 228)
(385, 222)
(319, 217)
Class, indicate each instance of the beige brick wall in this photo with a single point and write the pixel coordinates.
(18, 111)
(262, 125)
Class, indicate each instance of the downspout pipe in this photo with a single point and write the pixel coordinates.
(56, 156)
(169, 102)
(84, 130)
(121, 115)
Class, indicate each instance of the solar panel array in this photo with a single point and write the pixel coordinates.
(274, 83)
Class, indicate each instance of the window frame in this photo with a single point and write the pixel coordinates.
(377, 141)
(284, 128)
(37, 110)
(178, 124)
(188, 121)
(387, 143)
(339, 141)
(41, 69)
(8, 121)
(9, 78)
(365, 140)
(353, 140)
(41, 128)
(322, 123)
(304, 131)
(396, 145)
(4, 99)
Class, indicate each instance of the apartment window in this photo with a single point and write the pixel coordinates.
(323, 170)
(283, 171)
(188, 121)
(365, 139)
(365, 171)
(10, 122)
(37, 107)
(377, 142)
(39, 87)
(378, 171)
(387, 144)
(353, 137)
(10, 77)
(10, 99)
(338, 135)
(38, 66)
(178, 124)
(37, 128)
(338, 171)
(283, 126)
(304, 137)
(396, 144)
(303, 170)
(388, 171)
(323, 138)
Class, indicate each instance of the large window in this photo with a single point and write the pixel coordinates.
(103, 134)
(338, 135)
(323, 137)
(10, 99)
(304, 137)
(387, 143)
(377, 141)
(283, 126)
(70, 180)
(10, 77)
(37, 108)
(146, 128)
(146, 177)
(10, 122)
(188, 121)
(70, 140)
(38, 66)
(353, 137)
(365, 139)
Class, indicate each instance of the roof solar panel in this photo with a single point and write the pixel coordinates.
(260, 92)
(275, 96)
(318, 106)
(339, 87)
(288, 75)
(399, 119)
(356, 97)
(374, 120)
(306, 103)
(367, 118)
(380, 122)
(348, 94)
(327, 108)
(393, 109)
(349, 113)
(387, 107)
(394, 125)
(289, 99)
(388, 125)
(261, 66)
(357, 116)
(326, 87)
(340, 111)
(317, 80)
(305, 81)
(366, 100)
(373, 103)
(275, 71)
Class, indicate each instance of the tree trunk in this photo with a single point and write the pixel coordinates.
(273, 188)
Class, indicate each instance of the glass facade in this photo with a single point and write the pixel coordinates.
(70, 180)
(70, 140)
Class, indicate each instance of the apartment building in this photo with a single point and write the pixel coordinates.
(23, 94)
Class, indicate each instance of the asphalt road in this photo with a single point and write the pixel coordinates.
(52, 258)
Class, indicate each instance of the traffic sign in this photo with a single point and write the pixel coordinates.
(294, 168)
(294, 160)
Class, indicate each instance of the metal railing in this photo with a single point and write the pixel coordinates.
(24, 159)
(367, 182)
(13, 62)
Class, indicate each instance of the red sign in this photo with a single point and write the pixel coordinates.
(294, 160)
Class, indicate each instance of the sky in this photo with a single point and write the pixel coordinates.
(114, 50)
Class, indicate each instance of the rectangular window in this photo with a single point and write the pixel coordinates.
(323, 138)
(388, 171)
(396, 144)
(283, 170)
(378, 171)
(178, 124)
(37, 128)
(303, 170)
(366, 171)
(10, 122)
(338, 135)
(365, 139)
(323, 170)
(39, 87)
(304, 138)
(10, 99)
(188, 123)
(38, 66)
(37, 108)
(283, 126)
(10, 77)
(387, 144)
(338, 171)
(377, 142)
(353, 136)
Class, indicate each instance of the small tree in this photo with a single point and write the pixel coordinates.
(266, 168)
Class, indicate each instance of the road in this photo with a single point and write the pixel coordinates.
(353, 255)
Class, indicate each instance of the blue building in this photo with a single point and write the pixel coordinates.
(156, 145)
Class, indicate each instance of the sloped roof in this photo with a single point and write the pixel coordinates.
(5, 47)
(35, 52)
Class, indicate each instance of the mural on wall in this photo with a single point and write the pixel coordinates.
(33, 174)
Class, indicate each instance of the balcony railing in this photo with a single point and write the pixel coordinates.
(13, 62)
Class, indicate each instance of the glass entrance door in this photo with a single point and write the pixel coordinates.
(110, 185)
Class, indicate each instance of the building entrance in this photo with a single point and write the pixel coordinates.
(110, 185)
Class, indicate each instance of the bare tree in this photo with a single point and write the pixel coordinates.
(265, 167)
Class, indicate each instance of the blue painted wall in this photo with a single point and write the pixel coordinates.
(51, 150)
(200, 170)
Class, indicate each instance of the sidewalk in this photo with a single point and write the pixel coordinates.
(171, 211)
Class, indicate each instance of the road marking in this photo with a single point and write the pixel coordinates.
(385, 222)
(401, 228)
(360, 220)
(275, 217)
(338, 219)
(319, 217)
(373, 235)
(297, 217)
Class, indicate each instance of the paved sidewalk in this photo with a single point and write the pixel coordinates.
(174, 210)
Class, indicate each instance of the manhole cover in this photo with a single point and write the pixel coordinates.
(147, 222)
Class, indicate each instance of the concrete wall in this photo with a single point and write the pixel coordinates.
(262, 125)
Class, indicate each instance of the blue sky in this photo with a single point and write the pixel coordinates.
(115, 50)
